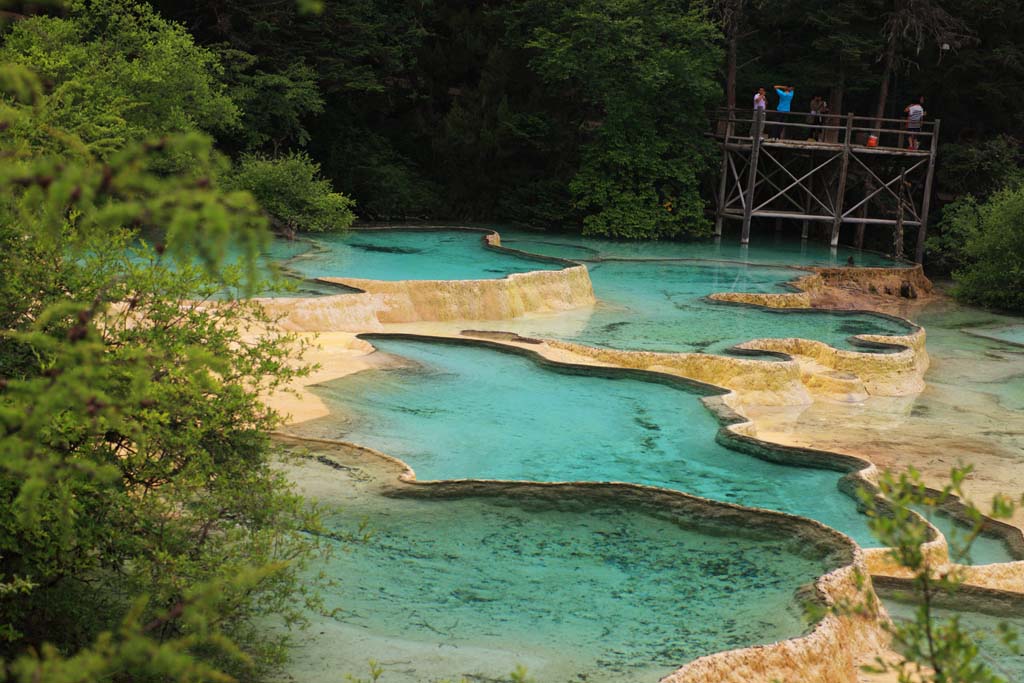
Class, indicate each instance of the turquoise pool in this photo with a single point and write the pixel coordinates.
(763, 249)
(411, 255)
(983, 630)
(647, 305)
(572, 588)
(661, 306)
(984, 549)
(456, 411)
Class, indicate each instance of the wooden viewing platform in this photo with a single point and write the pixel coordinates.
(825, 172)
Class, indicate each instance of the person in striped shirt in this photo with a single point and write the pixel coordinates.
(915, 115)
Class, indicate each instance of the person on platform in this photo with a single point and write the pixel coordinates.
(822, 119)
(812, 117)
(785, 93)
(760, 104)
(915, 116)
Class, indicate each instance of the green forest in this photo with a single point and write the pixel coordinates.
(144, 534)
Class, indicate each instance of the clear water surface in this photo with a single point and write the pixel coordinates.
(455, 412)
(983, 630)
(771, 249)
(984, 549)
(410, 255)
(661, 306)
(648, 305)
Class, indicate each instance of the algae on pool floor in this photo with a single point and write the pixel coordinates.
(573, 588)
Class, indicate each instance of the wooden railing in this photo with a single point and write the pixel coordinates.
(739, 124)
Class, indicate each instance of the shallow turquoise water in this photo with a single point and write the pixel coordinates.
(1013, 333)
(463, 412)
(410, 255)
(975, 350)
(984, 549)
(765, 249)
(983, 630)
(578, 590)
(660, 306)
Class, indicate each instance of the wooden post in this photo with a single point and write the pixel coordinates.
(755, 150)
(837, 219)
(809, 190)
(897, 238)
(862, 212)
(719, 215)
(922, 231)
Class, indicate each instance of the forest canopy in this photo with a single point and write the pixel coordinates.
(505, 111)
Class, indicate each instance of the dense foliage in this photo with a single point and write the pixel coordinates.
(981, 244)
(143, 532)
(589, 113)
(291, 191)
(114, 72)
(643, 71)
(515, 110)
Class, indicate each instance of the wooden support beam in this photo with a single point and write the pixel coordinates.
(897, 237)
(755, 149)
(922, 231)
(863, 213)
(837, 219)
(721, 191)
(807, 203)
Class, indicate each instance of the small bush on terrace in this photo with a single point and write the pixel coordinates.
(291, 191)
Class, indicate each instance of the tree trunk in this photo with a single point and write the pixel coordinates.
(883, 89)
(836, 104)
(730, 74)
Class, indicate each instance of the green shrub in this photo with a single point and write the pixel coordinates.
(145, 533)
(980, 168)
(291, 191)
(115, 72)
(947, 244)
(991, 258)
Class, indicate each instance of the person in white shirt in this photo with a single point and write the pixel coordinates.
(760, 99)
(915, 115)
(760, 103)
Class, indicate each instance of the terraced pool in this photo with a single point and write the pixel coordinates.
(662, 306)
(571, 587)
(646, 305)
(411, 255)
(457, 411)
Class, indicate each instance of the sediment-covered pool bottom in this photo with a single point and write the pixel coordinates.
(574, 584)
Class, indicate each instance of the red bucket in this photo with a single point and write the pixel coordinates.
(872, 141)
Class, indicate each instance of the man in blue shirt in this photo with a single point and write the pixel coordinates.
(785, 93)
